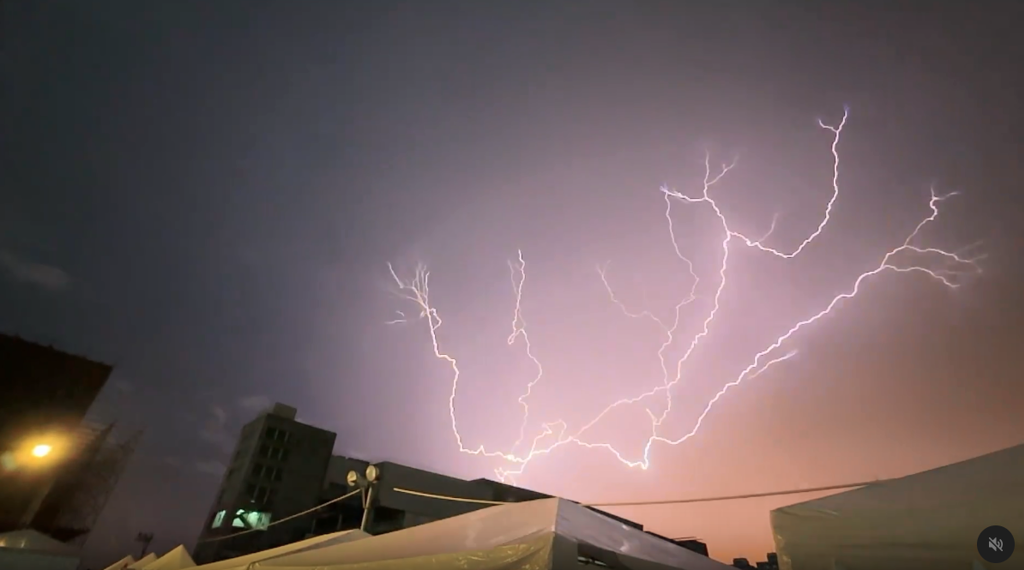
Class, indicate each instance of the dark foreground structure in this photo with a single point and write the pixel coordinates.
(927, 520)
(277, 470)
(80, 489)
(771, 564)
(46, 392)
(56, 471)
(282, 467)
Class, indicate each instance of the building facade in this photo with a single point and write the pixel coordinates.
(277, 470)
(401, 500)
(283, 469)
(46, 395)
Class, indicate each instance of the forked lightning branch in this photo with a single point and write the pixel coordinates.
(944, 267)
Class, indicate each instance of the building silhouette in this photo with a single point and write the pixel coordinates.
(399, 501)
(277, 470)
(45, 391)
(46, 394)
(693, 545)
(283, 468)
(771, 564)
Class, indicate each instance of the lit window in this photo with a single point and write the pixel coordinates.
(251, 520)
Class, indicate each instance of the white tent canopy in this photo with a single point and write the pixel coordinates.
(142, 562)
(33, 550)
(534, 535)
(33, 540)
(122, 563)
(322, 541)
(176, 559)
(927, 520)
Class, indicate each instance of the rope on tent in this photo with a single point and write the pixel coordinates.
(288, 518)
(447, 498)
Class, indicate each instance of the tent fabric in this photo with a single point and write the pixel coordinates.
(516, 536)
(476, 531)
(32, 550)
(142, 562)
(532, 554)
(34, 540)
(121, 564)
(585, 526)
(322, 541)
(14, 559)
(926, 520)
(176, 559)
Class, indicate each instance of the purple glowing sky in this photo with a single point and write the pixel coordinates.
(207, 196)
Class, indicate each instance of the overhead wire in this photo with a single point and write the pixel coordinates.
(603, 505)
(665, 501)
(737, 497)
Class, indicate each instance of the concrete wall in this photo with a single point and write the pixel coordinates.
(240, 466)
(312, 475)
(309, 454)
(230, 497)
(508, 493)
(394, 476)
(302, 477)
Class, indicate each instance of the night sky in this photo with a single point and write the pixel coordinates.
(207, 195)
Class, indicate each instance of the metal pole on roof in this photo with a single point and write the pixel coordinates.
(367, 509)
(366, 484)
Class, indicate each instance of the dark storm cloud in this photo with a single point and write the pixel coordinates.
(216, 432)
(45, 276)
(254, 404)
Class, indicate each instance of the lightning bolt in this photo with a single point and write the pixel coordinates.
(418, 291)
(519, 331)
(946, 268)
(401, 319)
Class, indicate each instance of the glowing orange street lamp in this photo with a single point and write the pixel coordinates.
(41, 450)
